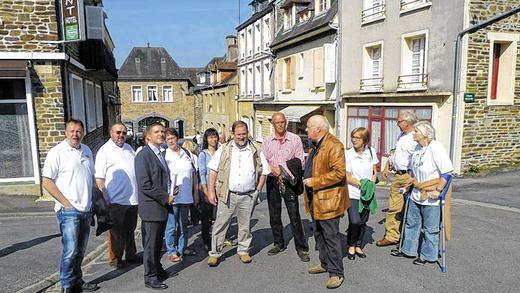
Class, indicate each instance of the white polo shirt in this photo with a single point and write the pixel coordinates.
(404, 148)
(429, 163)
(242, 170)
(71, 170)
(181, 174)
(361, 167)
(116, 165)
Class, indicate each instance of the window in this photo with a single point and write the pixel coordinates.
(318, 80)
(137, 60)
(266, 32)
(99, 106)
(288, 73)
(152, 93)
(372, 80)
(250, 80)
(90, 102)
(249, 44)
(409, 5)
(163, 60)
(77, 98)
(267, 78)
(242, 43)
(413, 63)
(322, 5)
(243, 81)
(301, 66)
(137, 93)
(258, 79)
(288, 17)
(258, 37)
(502, 68)
(372, 10)
(167, 93)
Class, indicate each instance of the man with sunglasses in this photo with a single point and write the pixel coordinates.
(115, 177)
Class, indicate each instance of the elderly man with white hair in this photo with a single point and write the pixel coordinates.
(404, 149)
(429, 161)
(326, 197)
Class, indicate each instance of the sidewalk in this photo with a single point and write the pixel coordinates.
(30, 243)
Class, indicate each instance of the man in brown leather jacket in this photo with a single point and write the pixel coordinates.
(326, 197)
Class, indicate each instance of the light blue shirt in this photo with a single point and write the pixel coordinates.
(204, 158)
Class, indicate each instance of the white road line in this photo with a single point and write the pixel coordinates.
(487, 205)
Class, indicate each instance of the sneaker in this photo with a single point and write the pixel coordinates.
(245, 258)
(303, 255)
(213, 261)
(275, 250)
(317, 269)
(334, 282)
(174, 258)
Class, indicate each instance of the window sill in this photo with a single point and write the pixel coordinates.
(490, 102)
(411, 89)
(287, 91)
(415, 7)
(372, 20)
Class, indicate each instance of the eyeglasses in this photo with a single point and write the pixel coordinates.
(120, 132)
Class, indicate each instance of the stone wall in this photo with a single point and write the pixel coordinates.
(26, 25)
(48, 105)
(182, 107)
(491, 136)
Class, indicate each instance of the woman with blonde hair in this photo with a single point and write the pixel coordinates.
(361, 164)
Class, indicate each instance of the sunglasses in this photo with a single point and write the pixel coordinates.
(120, 132)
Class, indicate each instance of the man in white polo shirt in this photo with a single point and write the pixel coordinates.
(239, 169)
(115, 177)
(67, 177)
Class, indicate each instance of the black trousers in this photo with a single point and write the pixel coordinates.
(152, 234)
(356, 224)
(121, 236)
(274, 201)
(328, 241)
(206, 219)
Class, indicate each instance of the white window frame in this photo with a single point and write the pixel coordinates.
(318, 6)
(99, 105)
(267, 68)
(407, 61)
(243, 80)
(242, 42)
(266, 31)
(258, 78)
(369, 82)
(507, 93)
(90, 106)
(249, 45)
(373, 10)
(301, 65)
(288, 17)
(250, 80)
(167, 89)
(137, 89)
(148, 94)
(411, 5)
(258, 36)
(78, 99)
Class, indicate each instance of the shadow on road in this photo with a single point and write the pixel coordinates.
(27, 244)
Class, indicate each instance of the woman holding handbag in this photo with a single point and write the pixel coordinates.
(361, 166)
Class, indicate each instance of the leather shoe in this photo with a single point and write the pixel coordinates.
(303, 255)
(351, 256)
(397, 253)
(419, 261)
(385, 242)
(155, 285)
(275, 250)
(361, 254)
(89, 287)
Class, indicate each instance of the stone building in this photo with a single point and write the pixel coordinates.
(304, 79)
(44, 82)
(400, 55)
(154, 87)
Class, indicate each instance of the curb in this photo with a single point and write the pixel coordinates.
(27, 214)
(55, 278)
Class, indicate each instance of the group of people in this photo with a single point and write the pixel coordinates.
(224, 179)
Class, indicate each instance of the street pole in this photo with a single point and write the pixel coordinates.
(458, 41)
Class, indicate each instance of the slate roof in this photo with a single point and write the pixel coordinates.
(150, 66)
(313, 23)
(255, 17)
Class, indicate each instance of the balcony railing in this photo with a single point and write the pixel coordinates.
(375, 11)
(410, 4)
(367, 85)
(412, 82)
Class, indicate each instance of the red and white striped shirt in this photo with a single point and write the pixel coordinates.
(279, 151)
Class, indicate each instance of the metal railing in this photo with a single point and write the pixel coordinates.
(406, 4)
(373, 12)
(412, 81)
(371, 84)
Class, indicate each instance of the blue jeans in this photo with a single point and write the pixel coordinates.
(427, 218)
(176, 235)
(75, 230)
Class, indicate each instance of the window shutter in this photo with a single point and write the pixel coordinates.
(292, 68)
(279, 75)
(95, 22)
(318, 67)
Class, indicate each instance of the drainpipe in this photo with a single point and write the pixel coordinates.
(337, 104)
(460, 35)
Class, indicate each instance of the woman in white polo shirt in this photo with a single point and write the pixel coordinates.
(429, 161)
(361, 163)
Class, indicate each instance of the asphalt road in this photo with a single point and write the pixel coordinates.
(482, 257)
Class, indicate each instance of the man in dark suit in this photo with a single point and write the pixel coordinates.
(155, 197)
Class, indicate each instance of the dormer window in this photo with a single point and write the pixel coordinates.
(288, 17)
(322, 5)
(163, 60)
(137, 60)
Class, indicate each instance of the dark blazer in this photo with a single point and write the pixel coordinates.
(152, 184)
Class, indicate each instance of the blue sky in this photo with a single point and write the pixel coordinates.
(192, 31)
